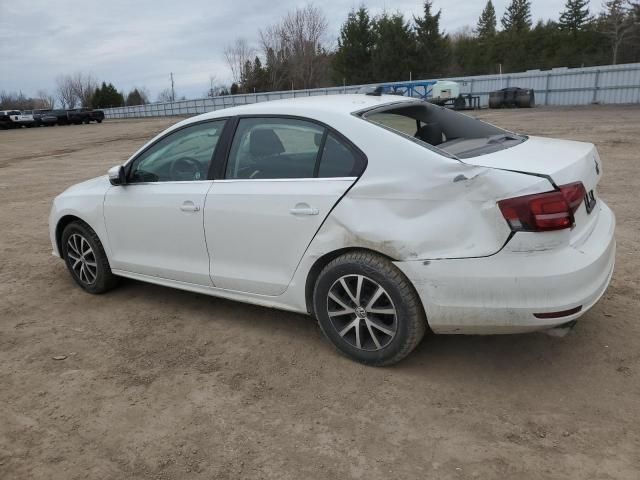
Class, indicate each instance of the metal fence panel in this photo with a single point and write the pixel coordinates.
(559, 86)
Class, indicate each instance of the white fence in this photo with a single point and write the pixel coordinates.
(559, 86)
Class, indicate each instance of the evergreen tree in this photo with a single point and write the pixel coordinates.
(135, 97)
(487, 22)
(517, 17)
(393, 40)
(96, 99)
(433, 51)
(107, 96)
(575, 16)
(352, 61)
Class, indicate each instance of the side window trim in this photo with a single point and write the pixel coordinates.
(133, 161)
(320, 154)
(223, 149)
(231, 128)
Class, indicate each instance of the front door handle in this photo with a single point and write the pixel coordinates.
(189, 206)
(304, 209)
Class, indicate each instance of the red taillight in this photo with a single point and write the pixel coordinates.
(543, 211)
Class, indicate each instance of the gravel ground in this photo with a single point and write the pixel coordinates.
(160, 383)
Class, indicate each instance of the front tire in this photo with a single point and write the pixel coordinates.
(85, 258)
(368, 309)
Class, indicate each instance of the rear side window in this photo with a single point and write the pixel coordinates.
(270, 148)
(338, 160)
(277, 148)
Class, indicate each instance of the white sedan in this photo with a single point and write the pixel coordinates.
(382, 216)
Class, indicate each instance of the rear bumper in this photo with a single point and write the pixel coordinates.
(501, 293)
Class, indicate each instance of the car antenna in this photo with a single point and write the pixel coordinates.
(377, 92)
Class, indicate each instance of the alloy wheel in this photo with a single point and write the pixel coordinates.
(82, 259)
(362, 312)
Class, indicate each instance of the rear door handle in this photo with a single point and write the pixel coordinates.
(304, 209)
(189, 206)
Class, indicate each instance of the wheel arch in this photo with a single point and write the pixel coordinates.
(61, 225)
(322, 262)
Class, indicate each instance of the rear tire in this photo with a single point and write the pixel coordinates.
(368, 309)
(85, 258)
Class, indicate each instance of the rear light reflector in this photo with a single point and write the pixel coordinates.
(543, 211)
(563, 313)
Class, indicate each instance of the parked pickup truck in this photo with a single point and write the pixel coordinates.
(23, 119)
(85, 115)
(5, 119)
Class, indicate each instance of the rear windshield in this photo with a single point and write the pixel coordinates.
(449, 133)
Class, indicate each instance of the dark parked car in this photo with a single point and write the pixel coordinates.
(96, 115)
(55, 117)
(85, 115)
(38, 114)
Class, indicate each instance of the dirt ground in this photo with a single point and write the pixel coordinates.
(160, 383)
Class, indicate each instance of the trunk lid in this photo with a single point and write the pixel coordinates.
(564, 161)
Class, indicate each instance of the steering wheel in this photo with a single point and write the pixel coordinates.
(184, 169)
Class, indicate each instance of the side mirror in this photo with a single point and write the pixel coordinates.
(117, 175)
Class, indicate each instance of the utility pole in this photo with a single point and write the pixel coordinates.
(173, 93)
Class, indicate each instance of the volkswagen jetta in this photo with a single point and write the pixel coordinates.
(382, 216)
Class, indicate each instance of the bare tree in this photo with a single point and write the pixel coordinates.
(237, 56)
(274, 52)
(84, 85)
(144, 93)
(165, 96)
(618, 20)
(65, 91)
(46, 99)
(303, 31)
(294, 47)
(15, 101)
(216, 88)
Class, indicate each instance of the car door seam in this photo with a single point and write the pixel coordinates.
(204, 231)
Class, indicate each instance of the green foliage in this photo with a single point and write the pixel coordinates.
(135, 97)
(487, 23)
(352, 61)
(254, 77)
(107, 96)
(433, 49)
(517, 17)
(394, 48)
(576, 16)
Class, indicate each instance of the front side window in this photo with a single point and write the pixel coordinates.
(268, 148)
(184, 155)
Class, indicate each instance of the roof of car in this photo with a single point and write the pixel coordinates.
(341, 104)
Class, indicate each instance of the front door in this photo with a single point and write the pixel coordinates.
(283, 177)
(155, 221)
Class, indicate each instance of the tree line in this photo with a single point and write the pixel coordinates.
(294, 53)
(73, 91)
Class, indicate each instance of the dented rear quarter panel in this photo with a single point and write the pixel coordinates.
(412, 203)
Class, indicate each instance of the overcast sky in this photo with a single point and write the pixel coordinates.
(137, 43)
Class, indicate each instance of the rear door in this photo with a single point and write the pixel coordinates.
(281, 179)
